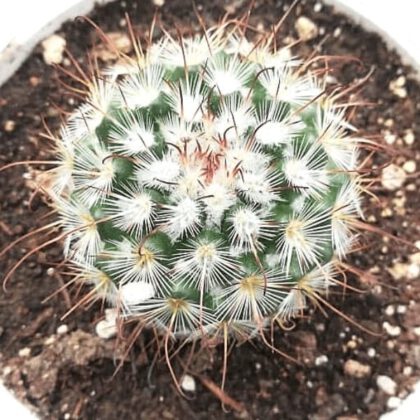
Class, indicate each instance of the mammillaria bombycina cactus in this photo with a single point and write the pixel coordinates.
(208, 186)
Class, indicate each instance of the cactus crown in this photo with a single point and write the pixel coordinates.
(209, 182)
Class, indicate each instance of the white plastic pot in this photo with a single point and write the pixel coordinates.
(23, 23)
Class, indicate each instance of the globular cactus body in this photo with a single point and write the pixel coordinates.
(207, 186)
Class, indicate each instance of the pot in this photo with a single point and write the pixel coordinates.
(38, 22)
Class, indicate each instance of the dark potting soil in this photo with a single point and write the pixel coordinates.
(70, 375)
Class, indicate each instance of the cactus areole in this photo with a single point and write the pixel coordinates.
(209, 184)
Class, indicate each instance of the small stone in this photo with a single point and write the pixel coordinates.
(401, 309)
(387, 212)
(25, 352)
(407, 371)
(399, 82)
(415, 258)
(62, 329)
(417, 331)
(50, 271)
(306, 29)
(392, 330)
(398, 270)
(386, 384)
(7, 371)
(188, 383)
(321, 360)
(393, 177)
(371, 352)
(337, 32)
(50, 340)
(351, 344)
(390, 310)
(356, 369)
(389, 137)
(375, 270)
(106, 329)
(397, 87)
(34, 81)
(389, 122)
(413, 271)
(317, 7)
(399, 203)
(53, 47)
(409, 166)
(393, 403)
(9, 126)
(409, 137)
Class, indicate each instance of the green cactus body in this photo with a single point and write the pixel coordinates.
(207, 185)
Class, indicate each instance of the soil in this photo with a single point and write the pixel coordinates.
(70, 374)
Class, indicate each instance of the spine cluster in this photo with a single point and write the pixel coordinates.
(207, 185)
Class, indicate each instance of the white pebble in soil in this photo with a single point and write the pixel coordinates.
(356, 369)
(392, 330)
(188, 383)
(53, 48)
(410, 166)
(317, 7)
(106, 329)
(393, 177)
(407, 371)
(25, 352)
(389, 310)
(409, 137)
(62, 329)
(306, 29)
(321, 360)
(371, 352)
(397, 87)
(386, 384)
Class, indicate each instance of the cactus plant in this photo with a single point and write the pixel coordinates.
(207, 186)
